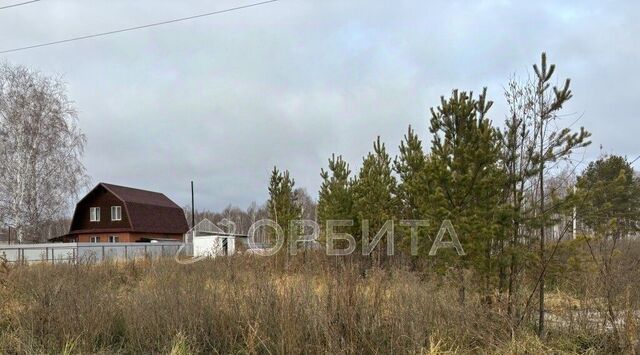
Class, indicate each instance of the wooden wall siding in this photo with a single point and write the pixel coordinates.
(104, 199)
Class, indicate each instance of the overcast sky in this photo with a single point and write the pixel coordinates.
(221, 100)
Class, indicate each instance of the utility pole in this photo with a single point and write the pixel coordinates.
(193, 208)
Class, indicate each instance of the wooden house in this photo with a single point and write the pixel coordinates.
(118, 214)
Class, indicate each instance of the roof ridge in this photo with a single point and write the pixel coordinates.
(130, 188)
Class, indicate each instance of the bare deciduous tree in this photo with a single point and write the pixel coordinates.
(307, 205)
(40, 150)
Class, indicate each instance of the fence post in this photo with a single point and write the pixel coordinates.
(53, 255)
(102, 260)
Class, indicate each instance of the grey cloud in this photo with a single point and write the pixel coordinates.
(221, 100)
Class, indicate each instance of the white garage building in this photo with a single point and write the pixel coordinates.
(208, 240)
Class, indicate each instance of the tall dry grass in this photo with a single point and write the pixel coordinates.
(254, 305)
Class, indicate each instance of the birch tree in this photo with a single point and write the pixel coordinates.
(41, 147)
(518, 155)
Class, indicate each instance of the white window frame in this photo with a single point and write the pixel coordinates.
(118, 215)
(94, 239)
(94, 214)
(114, 239)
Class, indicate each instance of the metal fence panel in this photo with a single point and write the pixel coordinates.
(86, 252)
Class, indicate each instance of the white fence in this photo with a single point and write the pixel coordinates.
(86, 252)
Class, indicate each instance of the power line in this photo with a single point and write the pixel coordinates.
(136, 27)
(634, 160)
(20, 4)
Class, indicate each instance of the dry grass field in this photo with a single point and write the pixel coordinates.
(254, 305)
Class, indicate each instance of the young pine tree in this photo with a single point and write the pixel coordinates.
(335, 198)
(610, 198)
(464, 171)
(283, 205)
(413, 187)
(410, 167)
(609, 208)
(553, 144)
(375, 195)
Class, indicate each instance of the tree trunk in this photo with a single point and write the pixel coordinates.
(542, 225)
(513, 266)
(462, 291)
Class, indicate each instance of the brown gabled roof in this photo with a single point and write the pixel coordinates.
(147, 211)
(138, 196)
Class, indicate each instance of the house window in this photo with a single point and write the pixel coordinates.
(94, 214)
(114, 239)
(116, 213)
(94, 239)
